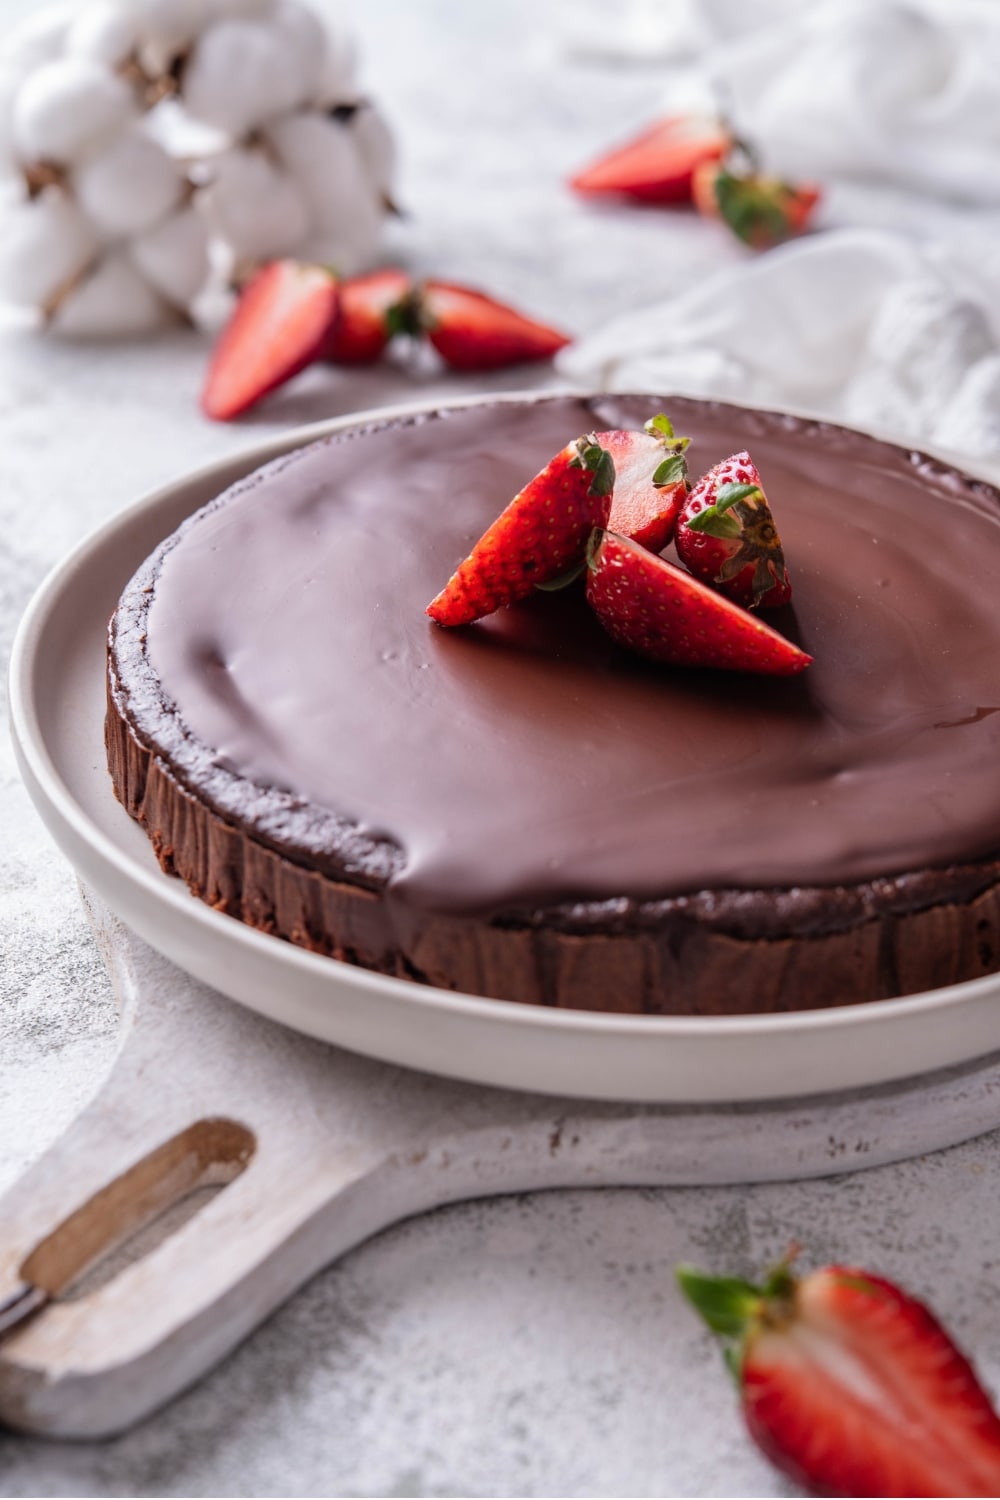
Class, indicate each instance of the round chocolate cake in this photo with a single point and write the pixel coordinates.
(520, 808)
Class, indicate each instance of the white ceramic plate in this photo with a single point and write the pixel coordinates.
(57, 703)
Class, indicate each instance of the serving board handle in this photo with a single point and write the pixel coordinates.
(226, 1160)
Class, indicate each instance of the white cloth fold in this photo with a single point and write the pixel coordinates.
(899, 89)
(855, 325)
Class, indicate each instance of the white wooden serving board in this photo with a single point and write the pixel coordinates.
(310, 1150)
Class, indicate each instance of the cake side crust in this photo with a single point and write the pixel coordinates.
(671, 958)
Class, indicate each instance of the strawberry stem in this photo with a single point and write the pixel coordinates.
(597, 461)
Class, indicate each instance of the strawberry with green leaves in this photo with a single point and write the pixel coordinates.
(850, 1385)
(651, 482)
(540, 536)
(372, 310)
(656, 609)
(760, 210)
(727, 537)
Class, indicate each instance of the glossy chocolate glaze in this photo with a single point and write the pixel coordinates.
(276, 651)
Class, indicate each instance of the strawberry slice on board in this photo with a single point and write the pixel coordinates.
(658, 165)
(850, 1385)
(372, 310)
(726, 535)
(281, 324)
(540, 536)
(471, 331)
(761, 210)
(651, 483)
(657, 610)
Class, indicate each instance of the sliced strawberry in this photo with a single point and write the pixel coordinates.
(372, 310)
(726, 535)
(281, 324)
(542, 534)
(851, 1386)
(471, 331)
(650, 482)
(760, 210)
(658, 165)
(658, 610)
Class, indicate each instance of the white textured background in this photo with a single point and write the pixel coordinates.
(527, 1346)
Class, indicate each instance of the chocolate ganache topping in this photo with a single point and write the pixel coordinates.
(527, 760)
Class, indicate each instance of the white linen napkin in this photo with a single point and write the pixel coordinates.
(855, 325)
(900, 89)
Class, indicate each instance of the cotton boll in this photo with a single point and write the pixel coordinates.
(114, 301)
(306, 38)
(106, 33)
(233, 10)
(38, 39)
(131, 185)
(66, 108)
(321, 156)
(376, 147)
(171, 25)
(346, 208)
(258, 210)
(174, 257)
(44, 243)
(242, 73)
(337, 83)
(348, 245)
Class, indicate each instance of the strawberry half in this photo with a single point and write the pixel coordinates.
(650, 482)
(282, 323)
(658, 610)
(726, 535)
(471, 331)
(657, 166)
(541, 535)
(850, 1385)
(372, 310)
(760, 210)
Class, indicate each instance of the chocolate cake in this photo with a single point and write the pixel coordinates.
(521, 809)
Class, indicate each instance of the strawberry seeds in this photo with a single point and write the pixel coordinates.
(606, 505)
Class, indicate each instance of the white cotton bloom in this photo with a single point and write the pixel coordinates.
(174, 256)
(376, 147)
(305, 36)
(242, 73)
(106, 33)
(338, 82)
(236, 10)
(10, 83)
(44, 243)
(114, 301)
(322, 157)
(346, 208)
(38, 39)
(66, 108)
(131, 185)
(256, 208)
(169, 24)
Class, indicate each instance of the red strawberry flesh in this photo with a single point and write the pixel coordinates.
(542, 534)
(471, 331)
(657, 166)
(281, 324)
(852, 1387)
(371, 311)
(656, 609)
(641, 510)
